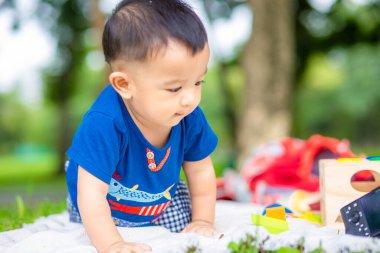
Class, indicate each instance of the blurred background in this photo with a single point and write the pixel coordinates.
(278, 68)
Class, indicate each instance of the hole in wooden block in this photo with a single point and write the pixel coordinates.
(365, 180)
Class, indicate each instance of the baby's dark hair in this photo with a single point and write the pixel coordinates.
(137, 29)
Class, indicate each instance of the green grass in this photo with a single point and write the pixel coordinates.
(250, 244)
(33, 194)
(17, 214)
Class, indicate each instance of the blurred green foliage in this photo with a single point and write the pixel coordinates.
(21, 123)
(213, 103)
(340, 96)
(29, 167)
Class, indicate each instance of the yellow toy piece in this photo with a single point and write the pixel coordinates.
(277, 212)
(273, 225)
(310, 216)
(349, 159)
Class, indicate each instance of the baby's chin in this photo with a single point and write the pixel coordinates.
(177, 119)
(177, 114)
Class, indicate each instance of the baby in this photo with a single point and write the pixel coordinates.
(126, 156)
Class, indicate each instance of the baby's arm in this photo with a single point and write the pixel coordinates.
(202, 185)
(96, 216)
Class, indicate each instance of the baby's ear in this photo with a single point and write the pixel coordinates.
(120, 83)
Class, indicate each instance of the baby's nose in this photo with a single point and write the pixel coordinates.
(188, 99)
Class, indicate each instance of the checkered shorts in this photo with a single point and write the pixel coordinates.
(178, 213)
(176, 216)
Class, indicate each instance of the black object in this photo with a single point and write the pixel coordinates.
(362, 216)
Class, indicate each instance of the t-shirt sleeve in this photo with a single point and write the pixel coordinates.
(200, 138)
(96, 145)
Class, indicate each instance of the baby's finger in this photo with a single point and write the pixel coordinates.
(140, 247)
(187, 229)
(212, 232)
(209, 232)
(145, 247)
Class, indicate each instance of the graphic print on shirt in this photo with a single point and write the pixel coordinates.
(119, 191)
(152, 210)
(152, 163)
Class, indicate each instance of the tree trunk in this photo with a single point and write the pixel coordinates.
(268, 62)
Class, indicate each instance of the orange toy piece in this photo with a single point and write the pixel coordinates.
(277, 212)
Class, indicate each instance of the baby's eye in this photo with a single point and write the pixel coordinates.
(174, 89)
(199, 83)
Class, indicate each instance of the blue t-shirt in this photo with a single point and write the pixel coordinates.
(142, 178)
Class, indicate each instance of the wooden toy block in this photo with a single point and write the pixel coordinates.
(336, 187)
(277, 212)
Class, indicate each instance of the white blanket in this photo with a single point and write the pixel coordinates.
(233, 220)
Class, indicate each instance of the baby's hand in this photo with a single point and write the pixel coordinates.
(201, 227)
(130, 247)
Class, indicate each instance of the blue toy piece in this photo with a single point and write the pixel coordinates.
(373, 158)
(287, 210)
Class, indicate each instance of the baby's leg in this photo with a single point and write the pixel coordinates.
(178, 213)
(73, 212)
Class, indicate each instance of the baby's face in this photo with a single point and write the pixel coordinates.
(168, 87)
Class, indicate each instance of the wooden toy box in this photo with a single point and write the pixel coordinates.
(336, 187)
